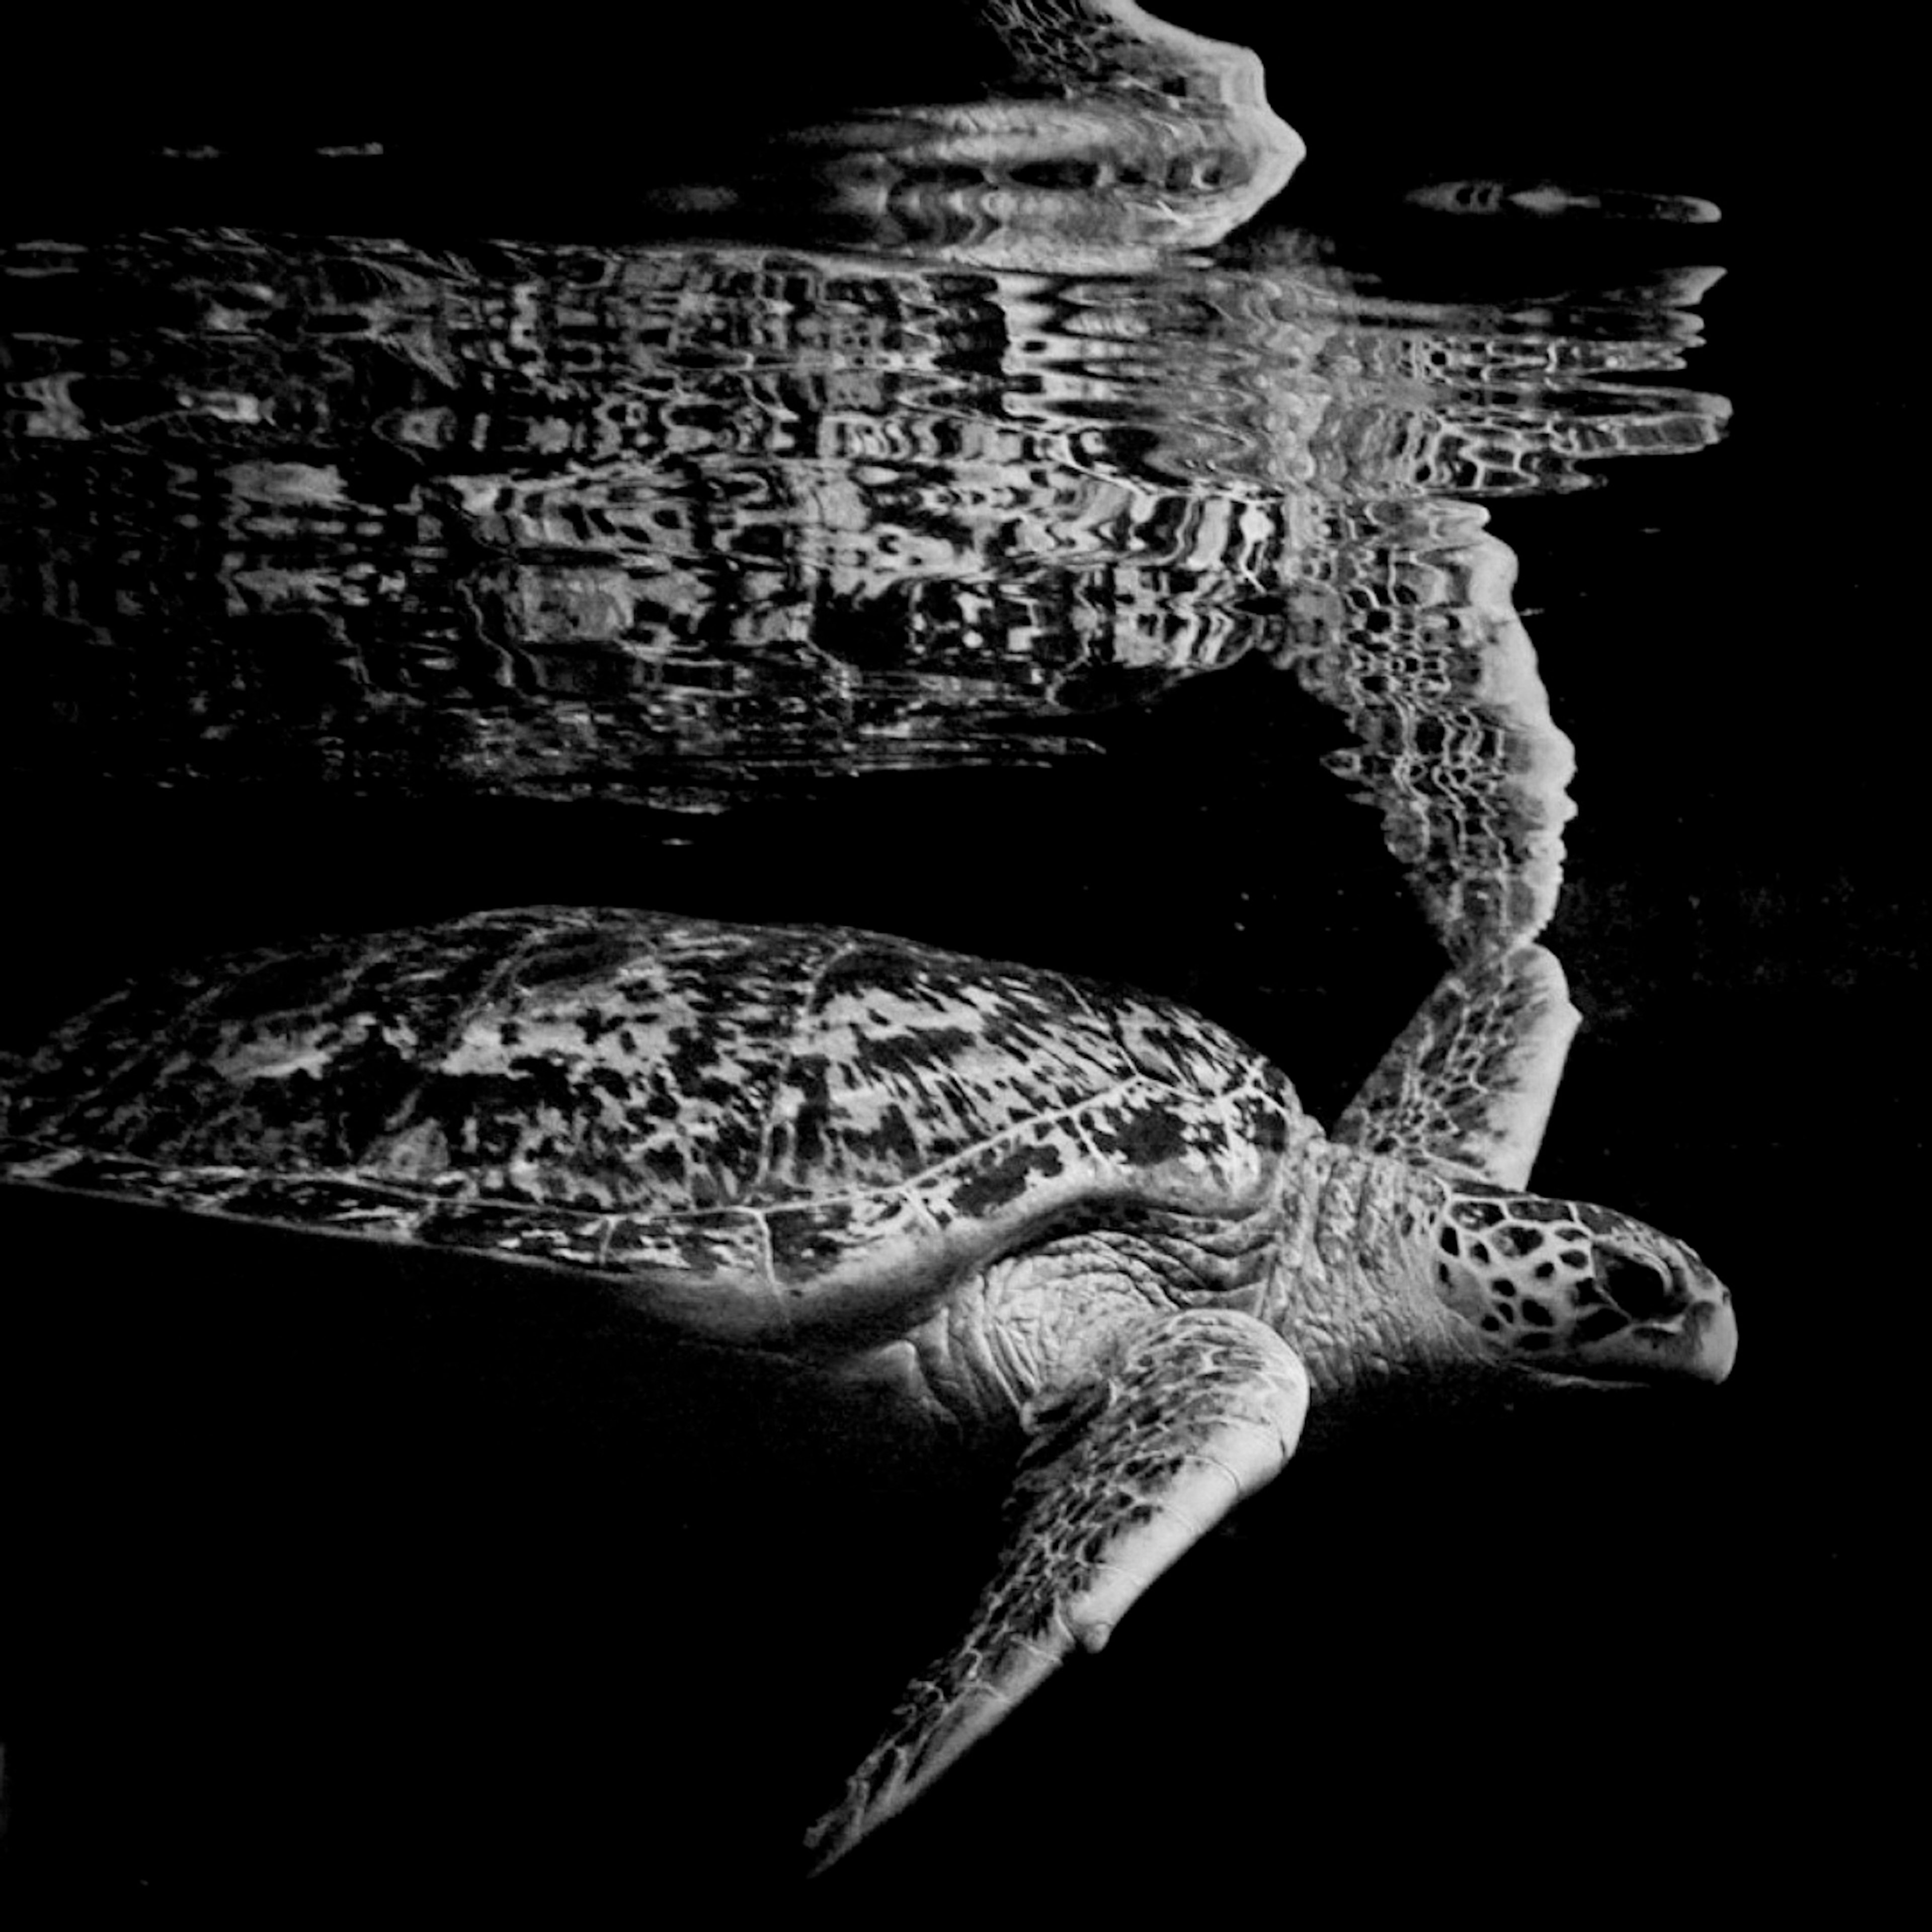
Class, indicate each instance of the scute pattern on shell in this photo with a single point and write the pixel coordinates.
(631, 1091)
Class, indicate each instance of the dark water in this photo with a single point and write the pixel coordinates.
(796, 550)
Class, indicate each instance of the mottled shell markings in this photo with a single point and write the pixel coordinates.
(624, 1090)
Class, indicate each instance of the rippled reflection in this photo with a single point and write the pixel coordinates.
(680, 524)
(675, 524)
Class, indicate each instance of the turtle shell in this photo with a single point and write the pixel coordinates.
(762, 1118)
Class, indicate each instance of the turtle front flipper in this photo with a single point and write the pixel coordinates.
(1468, 1086)
(1195, 1410)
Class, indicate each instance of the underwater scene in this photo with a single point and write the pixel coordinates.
(1070, 494)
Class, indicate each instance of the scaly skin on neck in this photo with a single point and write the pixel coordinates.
(1351, 1289)
(1338, 1261)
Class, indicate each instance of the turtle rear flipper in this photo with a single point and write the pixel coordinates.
(1199, 1409)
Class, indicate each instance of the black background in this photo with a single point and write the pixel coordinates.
(343, 1586)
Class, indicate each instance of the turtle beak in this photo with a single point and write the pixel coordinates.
(1697, 1341)
(1707, 1331)
(1710, 1329)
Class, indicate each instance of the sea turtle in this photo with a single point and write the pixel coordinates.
(1087, 1227)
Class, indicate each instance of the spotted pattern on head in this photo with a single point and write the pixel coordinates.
(1574, 1289)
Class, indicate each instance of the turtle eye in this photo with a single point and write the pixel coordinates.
(1640, 1289)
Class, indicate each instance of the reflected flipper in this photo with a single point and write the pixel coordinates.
(1197, 1410)
(1456, 747)
(1469, 1084)
(1544, 201)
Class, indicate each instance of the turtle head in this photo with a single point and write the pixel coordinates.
(1569, 1289)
